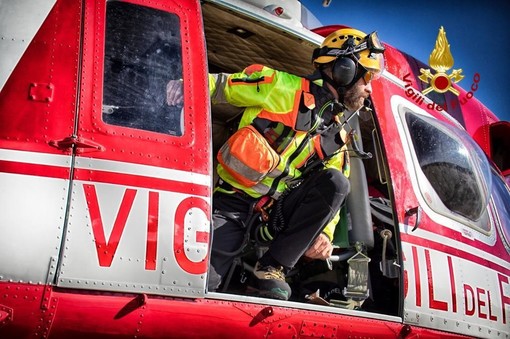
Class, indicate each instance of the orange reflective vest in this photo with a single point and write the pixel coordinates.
(280, 109)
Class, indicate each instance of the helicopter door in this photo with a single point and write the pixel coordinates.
(140, 205)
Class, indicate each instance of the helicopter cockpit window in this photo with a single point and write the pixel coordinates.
(142, 53)
(454, 166)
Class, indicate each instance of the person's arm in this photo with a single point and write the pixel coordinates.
(216, 82)
(174, 93)
(263, 87)
(321, 248)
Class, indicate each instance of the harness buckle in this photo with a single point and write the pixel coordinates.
(263, 206)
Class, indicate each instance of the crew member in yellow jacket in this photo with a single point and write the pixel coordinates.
(289, 147)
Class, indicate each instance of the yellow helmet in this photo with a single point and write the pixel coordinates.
(366, 49)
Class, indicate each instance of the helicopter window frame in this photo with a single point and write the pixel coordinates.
(500, 205)
(480, 178)
(138, 64)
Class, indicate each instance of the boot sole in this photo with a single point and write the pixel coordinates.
(250, 290)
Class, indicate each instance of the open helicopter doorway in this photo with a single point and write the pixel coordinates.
(364, 273)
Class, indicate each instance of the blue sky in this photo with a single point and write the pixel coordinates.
(478, 34)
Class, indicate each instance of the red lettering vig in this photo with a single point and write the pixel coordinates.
(106, 249)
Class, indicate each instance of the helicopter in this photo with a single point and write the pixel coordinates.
(106, 200)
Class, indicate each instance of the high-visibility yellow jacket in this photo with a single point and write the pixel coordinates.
(292, 118)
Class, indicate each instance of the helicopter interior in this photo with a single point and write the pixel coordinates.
(364, 272)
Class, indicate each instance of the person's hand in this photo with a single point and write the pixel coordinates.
(174, 93)
(321, 248)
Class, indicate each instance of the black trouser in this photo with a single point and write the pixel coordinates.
(307, 209)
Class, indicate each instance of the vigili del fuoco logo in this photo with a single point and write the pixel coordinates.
(441, 60)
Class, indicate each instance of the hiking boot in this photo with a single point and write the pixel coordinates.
(270, 282)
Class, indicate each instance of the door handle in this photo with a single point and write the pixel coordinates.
(81, 145)
(415, 210)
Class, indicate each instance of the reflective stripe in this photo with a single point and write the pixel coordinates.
(291, 169)
(239, 166)
(247, 156)
(276, 96)
(275, 173)
(261, 188)
(287, 118)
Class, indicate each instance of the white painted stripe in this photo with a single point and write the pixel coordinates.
(393, 78)
(430, 236)
(35, 158)
(145, 170)
(105, 165)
